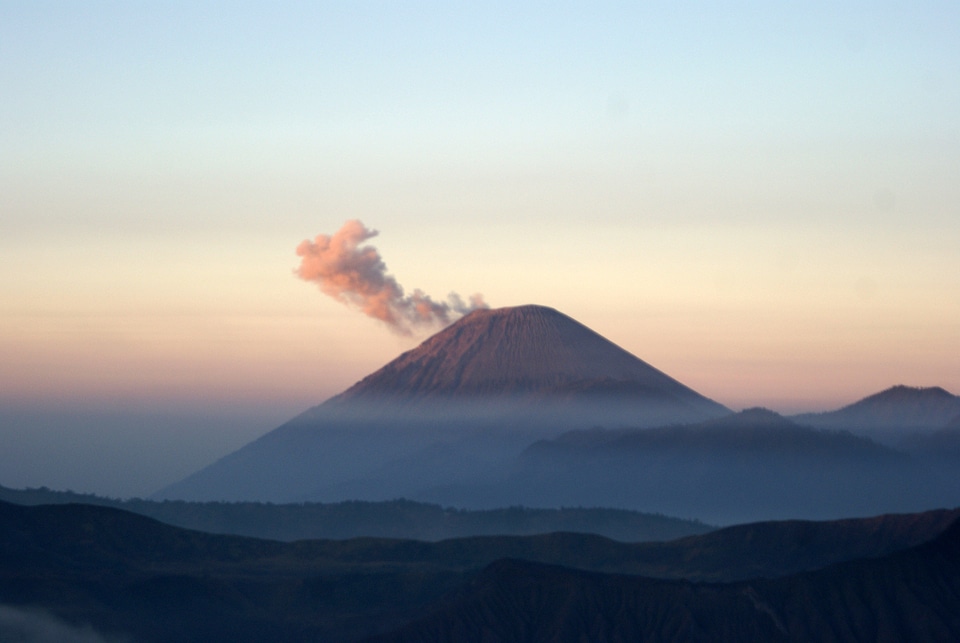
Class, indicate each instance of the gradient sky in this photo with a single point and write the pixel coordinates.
(760, 199)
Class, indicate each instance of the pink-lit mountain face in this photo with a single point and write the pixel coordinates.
(465, 401)
(531, 353)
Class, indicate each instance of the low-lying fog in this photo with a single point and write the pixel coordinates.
(121, 451)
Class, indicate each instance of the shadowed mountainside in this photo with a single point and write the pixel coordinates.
(896, 411)
(924, 422)
(454, 410)
(130, 576)
(754, 465)
(942, 445)
(912, 595)
(940, 450)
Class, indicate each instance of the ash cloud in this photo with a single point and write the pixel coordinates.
(356, 275)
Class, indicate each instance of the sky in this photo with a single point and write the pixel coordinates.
(760, 199)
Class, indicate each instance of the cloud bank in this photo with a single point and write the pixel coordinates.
(357, 276)
(36, 626)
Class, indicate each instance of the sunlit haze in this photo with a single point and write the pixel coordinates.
(761, 200)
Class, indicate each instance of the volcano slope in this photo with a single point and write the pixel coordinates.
(451, 412)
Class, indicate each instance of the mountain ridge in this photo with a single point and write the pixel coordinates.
(134, 578)
(909, 595)
(898, 408)
(749, 466)
(388, 519)
(753, 429)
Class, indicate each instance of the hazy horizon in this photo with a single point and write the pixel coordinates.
(758, 200)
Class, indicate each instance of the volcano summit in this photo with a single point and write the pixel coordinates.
(522, 352)
(467, 399)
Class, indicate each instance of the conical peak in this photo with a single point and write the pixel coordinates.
(513, 351)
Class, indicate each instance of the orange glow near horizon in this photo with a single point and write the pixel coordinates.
(729, 316)
(761, 359)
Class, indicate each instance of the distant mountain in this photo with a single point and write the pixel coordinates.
(924, 422)
(900, 408)
(940, 447)
(453, 410)
(749, 432)
(132, 578)
(753, 465)
(388, 519)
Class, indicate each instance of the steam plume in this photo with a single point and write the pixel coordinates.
(357, 276)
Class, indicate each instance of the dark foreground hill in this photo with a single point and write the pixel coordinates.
(132, 578)
(912, 595)
(453, 410)
(388, 519)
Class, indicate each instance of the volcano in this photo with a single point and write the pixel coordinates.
(468, 398)
(531, 352)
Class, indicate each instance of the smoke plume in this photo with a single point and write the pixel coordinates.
(357, 276)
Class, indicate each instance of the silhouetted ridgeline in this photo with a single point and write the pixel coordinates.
(912, 595)
(132, 578)
(390, 519)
